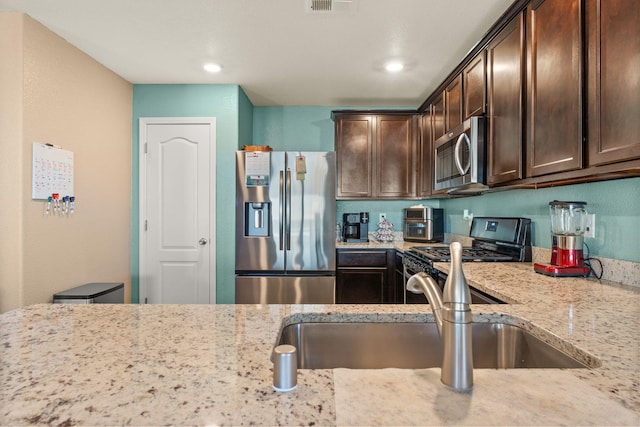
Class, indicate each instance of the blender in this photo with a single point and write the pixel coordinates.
(568, 224)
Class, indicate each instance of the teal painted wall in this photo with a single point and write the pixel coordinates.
(233, 113)
(616, 205)
(245, 120)
(290, 128)
(394, 209)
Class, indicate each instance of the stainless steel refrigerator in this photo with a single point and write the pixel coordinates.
(285, 227)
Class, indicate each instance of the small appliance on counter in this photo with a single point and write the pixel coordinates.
(423, 224)
(568, 224)
(356, 227)
(385, 231)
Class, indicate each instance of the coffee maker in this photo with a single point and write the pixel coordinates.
(355, 227)
(568, 224)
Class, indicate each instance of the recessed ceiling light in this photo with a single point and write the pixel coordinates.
(394, 67)
(212, 68)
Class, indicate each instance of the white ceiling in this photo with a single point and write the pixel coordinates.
(276, 50)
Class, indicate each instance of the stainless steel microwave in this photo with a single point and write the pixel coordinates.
(460, 158)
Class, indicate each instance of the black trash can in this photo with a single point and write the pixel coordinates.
(92, 293)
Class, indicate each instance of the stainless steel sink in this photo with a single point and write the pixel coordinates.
(415, 346)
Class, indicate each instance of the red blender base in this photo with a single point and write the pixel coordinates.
(564, 263)
(562, 271)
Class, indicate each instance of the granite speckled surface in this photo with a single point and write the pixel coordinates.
(563, 400)
(614, 270)
(209, 365)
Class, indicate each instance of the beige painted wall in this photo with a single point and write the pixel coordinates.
(11, 159)
(70, 100)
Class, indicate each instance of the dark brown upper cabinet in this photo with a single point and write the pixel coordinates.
(425, 156)
(562, 93)
(453, 104)
(613, 89)
(474, 85)
(395, 155)
(554, 86)
(354, 145)
(437, 116)
(376, 155)
(505, 83)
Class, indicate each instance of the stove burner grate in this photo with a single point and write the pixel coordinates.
(443, 254)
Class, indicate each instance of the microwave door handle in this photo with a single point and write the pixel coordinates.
(462, 169)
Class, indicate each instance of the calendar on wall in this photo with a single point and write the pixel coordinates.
(52, 171)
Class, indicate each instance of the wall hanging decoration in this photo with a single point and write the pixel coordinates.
(52, 179)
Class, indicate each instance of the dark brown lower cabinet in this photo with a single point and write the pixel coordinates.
(365, 276)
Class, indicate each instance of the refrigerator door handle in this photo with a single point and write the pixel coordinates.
(288, 202)
(281, 213)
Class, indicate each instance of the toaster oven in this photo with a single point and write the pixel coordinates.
(423, 224)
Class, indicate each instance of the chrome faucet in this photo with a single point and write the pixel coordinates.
(452, 311)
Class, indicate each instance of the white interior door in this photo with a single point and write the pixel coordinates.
(177, 211)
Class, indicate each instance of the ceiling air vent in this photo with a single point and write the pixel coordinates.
(331, 6)
(321, 5)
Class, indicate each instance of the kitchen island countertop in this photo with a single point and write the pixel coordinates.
(209, 364)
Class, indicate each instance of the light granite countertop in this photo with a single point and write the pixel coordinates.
(398, 244)
(210, 364)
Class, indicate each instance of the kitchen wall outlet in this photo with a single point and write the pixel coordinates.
(590, 227)
(382, 217)
(466, 215)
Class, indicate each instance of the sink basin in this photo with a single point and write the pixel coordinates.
(415, 345)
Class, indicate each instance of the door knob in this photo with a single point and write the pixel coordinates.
(202, 241)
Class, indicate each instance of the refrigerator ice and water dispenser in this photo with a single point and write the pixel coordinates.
(257, 219)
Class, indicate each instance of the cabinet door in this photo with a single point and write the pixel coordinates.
(425, 167)
(399, 282)
(554, 86)
(613, 111)
(354, 149)
(360, 286)
(453, 104)
(505, 71)
(437, 116)
(364, 276)
(474, 83)
(394, 175)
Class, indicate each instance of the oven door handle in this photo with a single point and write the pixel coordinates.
(406, 277)
(462, 169)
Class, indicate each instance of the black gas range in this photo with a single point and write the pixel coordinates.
(495, 239)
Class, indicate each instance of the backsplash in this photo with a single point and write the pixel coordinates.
(394, 210)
